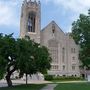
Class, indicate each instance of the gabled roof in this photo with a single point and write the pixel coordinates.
(52, 22)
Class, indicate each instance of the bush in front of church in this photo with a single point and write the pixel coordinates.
(62, 78)
(67, 78)
(48, 77)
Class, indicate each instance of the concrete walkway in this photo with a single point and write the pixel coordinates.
(3, 83)
(19, 81)
(73, 82)
(49, 87)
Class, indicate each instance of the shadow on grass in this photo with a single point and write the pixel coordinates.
(24, 87)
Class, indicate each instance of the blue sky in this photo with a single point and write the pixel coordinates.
(63, 12)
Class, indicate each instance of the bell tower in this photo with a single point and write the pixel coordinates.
(30, 21)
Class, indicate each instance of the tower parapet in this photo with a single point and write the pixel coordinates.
(31, 2)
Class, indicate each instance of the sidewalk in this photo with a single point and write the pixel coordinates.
(72, 82)
(19, 81)
(49, 87)
(3, 83)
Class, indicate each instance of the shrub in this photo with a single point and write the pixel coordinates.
(48, 77)
(67, 78)
(62, 78)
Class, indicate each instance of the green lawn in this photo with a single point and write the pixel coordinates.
(24, 87)
(73, 86)
(60, 86)
(55, 81)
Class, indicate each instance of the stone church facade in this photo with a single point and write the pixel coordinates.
(62, 48)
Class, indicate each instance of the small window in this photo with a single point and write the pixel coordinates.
(73, 58)
(53, 28)
(63, 67)
(73, 67)
(54, 67)
(73, 50)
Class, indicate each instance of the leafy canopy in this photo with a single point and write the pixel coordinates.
(81, 35)
(23, 55)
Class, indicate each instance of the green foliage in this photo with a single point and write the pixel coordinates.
(48, 77)
(26, 62)
(81, 35)
(2, 67)
(32, 57)
(23, 55)
(42, 58)
(67, 78)
(8, 54)
(61, 78)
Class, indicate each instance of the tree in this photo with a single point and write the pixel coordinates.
(26, 62)
(81, 35)
(8, 54)
(35, 58)
(22, 55)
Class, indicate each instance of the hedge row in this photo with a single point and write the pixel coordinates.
(62, 78)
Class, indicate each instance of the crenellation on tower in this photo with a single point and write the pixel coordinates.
(24, 2)
(31, 3)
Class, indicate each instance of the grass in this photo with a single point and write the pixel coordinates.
(55, 81)
(60, 86)
(24, 87)
(73, 86)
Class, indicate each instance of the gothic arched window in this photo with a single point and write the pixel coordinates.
(53, 49)
(31, 22)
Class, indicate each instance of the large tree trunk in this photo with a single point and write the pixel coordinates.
(9, 73)
(9, 82)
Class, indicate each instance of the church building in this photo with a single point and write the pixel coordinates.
(62, 48)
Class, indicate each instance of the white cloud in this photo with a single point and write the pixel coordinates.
(5, 15)
(77, 6)
(8, 13)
